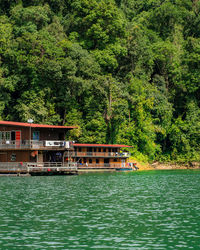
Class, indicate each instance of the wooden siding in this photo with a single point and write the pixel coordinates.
(21, 156)
(45, 133)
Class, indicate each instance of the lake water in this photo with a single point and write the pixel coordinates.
(139, 210)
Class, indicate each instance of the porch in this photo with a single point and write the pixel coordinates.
(34, 145)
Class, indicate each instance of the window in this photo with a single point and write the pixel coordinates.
(106, 160)
(90, 161)
(104, 150)
(13, 157)
(115, 160)
(97, 161)
(36, 135)
(89, 149)
(95, 149)
(80, 149)
(99, 149)
(5, 135)
(8, 135)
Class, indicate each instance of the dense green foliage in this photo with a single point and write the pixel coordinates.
(124, 71)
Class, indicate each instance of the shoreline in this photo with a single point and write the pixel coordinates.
(168, 166)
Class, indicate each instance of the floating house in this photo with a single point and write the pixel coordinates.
(43, 149)
(101, 156)
(34, 148)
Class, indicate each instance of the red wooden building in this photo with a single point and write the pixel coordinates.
(29, 145)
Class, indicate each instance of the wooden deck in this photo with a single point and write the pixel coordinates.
(38, 168)
(34, 145)
(103, 167)
(101, 154)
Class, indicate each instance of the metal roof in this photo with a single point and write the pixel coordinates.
(101, 145)
(34, 125)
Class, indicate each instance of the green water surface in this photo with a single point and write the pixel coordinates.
(139, 210)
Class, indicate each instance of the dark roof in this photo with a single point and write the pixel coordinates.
(34, 125)
(101, 145)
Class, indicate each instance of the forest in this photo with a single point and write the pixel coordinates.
(122, 71)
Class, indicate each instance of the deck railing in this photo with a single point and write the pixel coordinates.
(101, 154)
(45, 166)
(99, 165)
(37, 166)
(13, 167)
(33, 144)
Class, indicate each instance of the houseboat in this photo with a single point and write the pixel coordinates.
(38, 149)
(95, 157)
(35, 149)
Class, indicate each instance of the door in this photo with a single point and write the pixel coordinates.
(106, 162)
(12, 135)
(18, 138)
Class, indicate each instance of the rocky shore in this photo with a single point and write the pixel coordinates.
(167, 166)
(190, 165)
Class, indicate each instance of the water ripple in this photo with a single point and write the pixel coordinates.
(140, 210)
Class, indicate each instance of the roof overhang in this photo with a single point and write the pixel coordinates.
(101, 145)
(34, 125)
